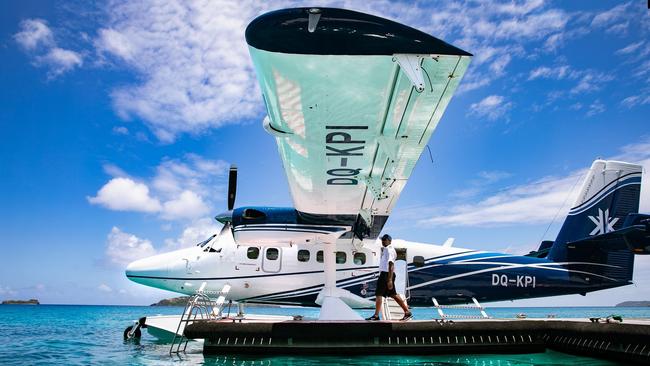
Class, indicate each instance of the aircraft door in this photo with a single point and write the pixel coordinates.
(272, 259)
(248, 258)
(401, 273)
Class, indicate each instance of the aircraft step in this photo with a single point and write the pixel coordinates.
(200, 306)
(476, 306)
(391, 309)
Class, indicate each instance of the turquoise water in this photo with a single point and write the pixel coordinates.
(83, 335)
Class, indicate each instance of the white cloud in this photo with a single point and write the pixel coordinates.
(34, 33)
(558, 72)
(635, 100)
(491, 107)
(173, 176)
(60, 60)
(120, 130)
(37, 37)
(595, 108)
(123, 248)
(187, 205)
(499, 65)
(489, 177)
(115, 43)
(611, 16)
(619, 29)
(194, 233)
(192, 60)
(591, 81)
(496, 33)
(476, 186)
(181, 189)
(632, 47)
(104, 288)
(534, 26)
(124, 194)
(643, 69)
(514, 205)
(584, 82)
(114, 171)
(555, 41)
(537, 202)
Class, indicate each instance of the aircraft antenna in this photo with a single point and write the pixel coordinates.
(560, 208)
(430, 154)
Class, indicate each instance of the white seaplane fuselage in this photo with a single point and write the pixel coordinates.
(270, 274)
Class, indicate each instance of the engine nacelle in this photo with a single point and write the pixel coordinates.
(283, 226)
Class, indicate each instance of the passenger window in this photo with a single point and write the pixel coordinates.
(341, 257)
(319, 256)
(303, 255)
(359, 258)
(253, 252)
(272, 254)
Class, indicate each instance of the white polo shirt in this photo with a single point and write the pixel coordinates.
(388, 254)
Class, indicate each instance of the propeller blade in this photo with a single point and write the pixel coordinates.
(232, 186)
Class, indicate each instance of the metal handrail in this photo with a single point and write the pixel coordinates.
(202, 306)
(476, 306)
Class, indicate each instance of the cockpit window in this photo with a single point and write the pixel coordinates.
(206, 241)
(252, 252)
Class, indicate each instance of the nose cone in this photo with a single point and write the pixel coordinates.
(224, 217)
(145, 269)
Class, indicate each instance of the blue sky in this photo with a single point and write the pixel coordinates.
(118, 122)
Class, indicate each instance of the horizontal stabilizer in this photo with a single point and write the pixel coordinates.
(635, 235)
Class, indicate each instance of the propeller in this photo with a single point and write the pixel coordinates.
(226, 217)
(232, 186)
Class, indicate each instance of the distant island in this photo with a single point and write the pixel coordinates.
(182, 301)
(634, 303)
(175, 301)
(21, 302)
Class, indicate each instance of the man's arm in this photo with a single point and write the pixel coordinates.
(390, 275)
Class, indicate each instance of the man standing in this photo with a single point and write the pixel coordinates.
(385, 283)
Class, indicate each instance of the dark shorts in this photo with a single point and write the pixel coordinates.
(382, 285)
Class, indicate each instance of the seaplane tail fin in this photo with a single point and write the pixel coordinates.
(603, 218)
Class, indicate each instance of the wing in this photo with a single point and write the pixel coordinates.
(352, 101)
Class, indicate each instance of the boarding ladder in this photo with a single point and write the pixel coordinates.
(200, 306)
(476, 306)
(390, 309)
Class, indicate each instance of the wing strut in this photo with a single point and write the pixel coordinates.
(336, 303)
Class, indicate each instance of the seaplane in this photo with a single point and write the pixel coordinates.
(352, 100)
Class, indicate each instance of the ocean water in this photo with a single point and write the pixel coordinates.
(93, 335)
